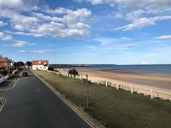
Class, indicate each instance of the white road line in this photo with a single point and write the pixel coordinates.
(4, 102)
(10, 87)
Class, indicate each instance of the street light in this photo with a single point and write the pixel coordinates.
(87, 92)
(9, 66)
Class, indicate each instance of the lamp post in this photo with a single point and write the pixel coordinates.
(9, 66)
(87, 92)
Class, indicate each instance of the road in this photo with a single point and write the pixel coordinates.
(30, 104)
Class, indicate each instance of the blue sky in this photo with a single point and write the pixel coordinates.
(86, 31)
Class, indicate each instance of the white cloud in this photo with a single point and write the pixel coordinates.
(2, 23)
(125, 38)
(79, 1)
(142, 22)
(11, 3)
(81, 13)
(58, 23)
(165, 37)
(91, 47)
(5, 37)
(44, 51)
(125, 47)
(46, 18)
(20, 44)
(67, 33)
(140, 13)
(19, 21)
(96, 2)
(105, 40)
(38, 51)
(22, 51)
(134, 15)
(151, 6)
(118, 15)
(18, 4)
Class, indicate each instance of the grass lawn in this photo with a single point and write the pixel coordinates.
(114, 109)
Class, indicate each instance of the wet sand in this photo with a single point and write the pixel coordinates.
(150, 79)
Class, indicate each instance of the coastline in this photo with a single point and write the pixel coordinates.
(144, 78)
(156, 84)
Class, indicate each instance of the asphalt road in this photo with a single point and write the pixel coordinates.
(30, 104)
(8, 83)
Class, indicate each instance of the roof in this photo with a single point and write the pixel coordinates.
(2, 60)
(39, 62)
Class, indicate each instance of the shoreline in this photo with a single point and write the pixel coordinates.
(143, 78)
(134, 72)
(148, 79)
(154, 85)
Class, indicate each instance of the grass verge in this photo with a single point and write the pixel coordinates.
(114, 109)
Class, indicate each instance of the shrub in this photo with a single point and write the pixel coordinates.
(3, 71)
(73, 72)
(50, 68)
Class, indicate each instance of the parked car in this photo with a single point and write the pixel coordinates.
(24, 74)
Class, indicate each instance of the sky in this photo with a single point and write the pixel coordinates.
(86, 31)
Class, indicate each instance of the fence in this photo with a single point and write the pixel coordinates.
(153, 92)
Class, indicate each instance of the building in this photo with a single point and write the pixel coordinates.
(40, 64)
(5, 62)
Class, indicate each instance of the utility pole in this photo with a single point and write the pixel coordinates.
(9, 68)
(87, 92)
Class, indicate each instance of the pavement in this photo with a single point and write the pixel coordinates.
(31, 104)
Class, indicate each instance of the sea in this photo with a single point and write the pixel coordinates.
(157, 68)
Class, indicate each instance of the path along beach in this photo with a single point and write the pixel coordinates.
(154, 84)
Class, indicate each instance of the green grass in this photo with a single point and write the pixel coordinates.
(114, 109)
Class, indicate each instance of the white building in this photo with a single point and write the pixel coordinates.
(40, 64)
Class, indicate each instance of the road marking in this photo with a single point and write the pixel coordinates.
(10, 87)
(14, 84)
(2, 106)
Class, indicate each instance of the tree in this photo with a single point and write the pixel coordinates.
(73, 72)
(3, 71)
(29, 63)
(19, 64)
(51, 68)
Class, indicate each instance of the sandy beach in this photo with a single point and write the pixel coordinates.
(141, 82)
(150, 79)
